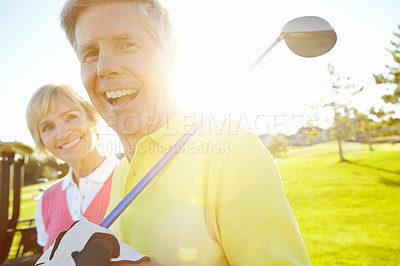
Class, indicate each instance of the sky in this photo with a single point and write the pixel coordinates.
(220, 39)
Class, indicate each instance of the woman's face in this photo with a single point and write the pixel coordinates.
(65, 131)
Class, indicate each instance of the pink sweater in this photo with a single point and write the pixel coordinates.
(56, 216)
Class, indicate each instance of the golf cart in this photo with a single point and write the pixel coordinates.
(18, 244)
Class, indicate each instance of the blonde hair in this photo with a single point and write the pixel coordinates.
(43, 100)
(155, 18)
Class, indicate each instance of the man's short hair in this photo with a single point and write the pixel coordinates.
(155, 18)
(43, 100)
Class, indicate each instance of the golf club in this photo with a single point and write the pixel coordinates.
(305, 36)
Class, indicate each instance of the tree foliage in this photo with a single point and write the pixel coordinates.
(45, 168)
(313, 134)
(366, 127)
(392, 78)
(277, 147)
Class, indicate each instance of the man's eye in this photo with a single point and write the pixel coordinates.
(128, 45)
(90, 56)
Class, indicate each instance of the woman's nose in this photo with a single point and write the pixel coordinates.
(63, 131)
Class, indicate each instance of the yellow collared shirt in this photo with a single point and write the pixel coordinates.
(219, 201)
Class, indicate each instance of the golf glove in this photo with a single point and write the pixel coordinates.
(87, 244)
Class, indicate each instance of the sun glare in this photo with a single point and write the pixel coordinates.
(216, 54)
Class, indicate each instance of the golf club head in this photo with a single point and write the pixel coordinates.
(309, 36)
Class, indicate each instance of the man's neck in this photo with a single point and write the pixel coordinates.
(129, 141)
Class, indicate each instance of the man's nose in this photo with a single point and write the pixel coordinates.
(107, 64)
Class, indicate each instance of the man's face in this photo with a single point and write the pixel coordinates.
(125, 71)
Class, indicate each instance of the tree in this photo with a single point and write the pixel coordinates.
(343, 127)
(277, 147)
(366, 127)
(393, 77)
(313, 134)
(32, 170)
(392, 81)
(47, 167)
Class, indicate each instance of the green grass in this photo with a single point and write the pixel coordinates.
(28, 204)
(348, 212)
(27, 211)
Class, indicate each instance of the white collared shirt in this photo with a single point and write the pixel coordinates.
(78, 199)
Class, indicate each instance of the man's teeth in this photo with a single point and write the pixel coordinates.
(70, 144)
(119, 93)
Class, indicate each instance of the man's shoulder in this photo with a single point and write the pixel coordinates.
(122, 166)
(224, 129)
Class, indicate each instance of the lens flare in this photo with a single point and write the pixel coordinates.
(188, 253)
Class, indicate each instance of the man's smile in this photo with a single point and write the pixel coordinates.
(122, 96)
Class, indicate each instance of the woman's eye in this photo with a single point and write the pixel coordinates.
(47, 128)
(71, 117)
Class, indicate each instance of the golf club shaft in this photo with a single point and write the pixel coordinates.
(281, 36)
(136, 190)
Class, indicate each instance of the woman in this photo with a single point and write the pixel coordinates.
(63, 124)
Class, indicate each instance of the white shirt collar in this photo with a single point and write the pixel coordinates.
(99, 175)
(68, 181)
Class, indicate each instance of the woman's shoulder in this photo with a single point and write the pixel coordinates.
(56, 186)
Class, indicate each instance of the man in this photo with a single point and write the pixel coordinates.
(220, 200)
